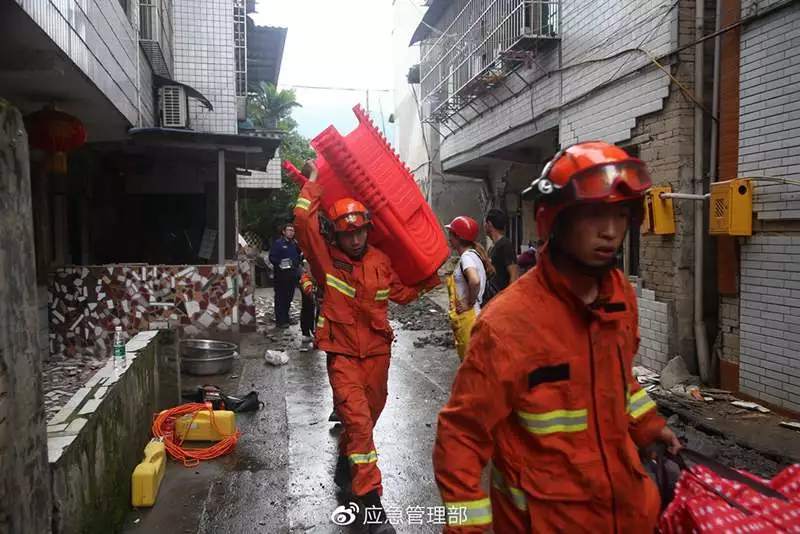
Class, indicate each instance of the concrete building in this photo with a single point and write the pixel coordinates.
(505, 84)
(760, 137)
(136, 228)
(418, 142)
(508, 83)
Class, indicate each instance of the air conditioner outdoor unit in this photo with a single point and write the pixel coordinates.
(173, 106)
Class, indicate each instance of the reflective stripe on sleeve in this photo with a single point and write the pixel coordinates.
(303, 203)
(515, 494)
(340, 286)
(469, 513)
(370, 458)
(639, 404)
(555, 421)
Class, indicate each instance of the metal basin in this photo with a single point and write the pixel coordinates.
(207, 356)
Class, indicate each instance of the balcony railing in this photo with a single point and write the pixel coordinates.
(475, 51)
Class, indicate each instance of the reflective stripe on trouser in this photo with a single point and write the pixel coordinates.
(303, 203)
(359, 395)
(554, 421)
(639, 404)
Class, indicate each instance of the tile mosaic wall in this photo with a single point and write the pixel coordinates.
(86, 303)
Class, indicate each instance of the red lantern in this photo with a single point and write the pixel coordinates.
(56, 133)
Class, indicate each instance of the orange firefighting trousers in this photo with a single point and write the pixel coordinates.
(359, 395)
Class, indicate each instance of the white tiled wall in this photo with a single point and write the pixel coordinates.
(769, 360)
(769, 122)
(654, 328)
(204, 59)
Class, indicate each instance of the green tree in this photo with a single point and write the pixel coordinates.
(269, 108)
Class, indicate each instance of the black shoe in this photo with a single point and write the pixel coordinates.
(334, 417)
(374, 515)
(341, 476)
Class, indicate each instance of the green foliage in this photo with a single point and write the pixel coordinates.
(268, 106)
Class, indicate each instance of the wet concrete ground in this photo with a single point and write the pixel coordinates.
(280, 478)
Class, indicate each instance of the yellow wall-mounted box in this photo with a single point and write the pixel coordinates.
(147, 476)
(731, 209)
(201, 428)
(659, 216)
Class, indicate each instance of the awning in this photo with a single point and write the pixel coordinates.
(250, 151)
(436, 9)
(160, 81)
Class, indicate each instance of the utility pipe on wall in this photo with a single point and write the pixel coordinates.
(701, 339)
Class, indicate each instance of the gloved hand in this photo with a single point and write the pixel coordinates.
(429, 283)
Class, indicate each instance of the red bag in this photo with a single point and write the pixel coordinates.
(714, 498)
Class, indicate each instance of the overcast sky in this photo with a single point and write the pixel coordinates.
(342, 43)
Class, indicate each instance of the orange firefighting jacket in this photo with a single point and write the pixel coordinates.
(354, 315)
(547, 391)
(307, 285)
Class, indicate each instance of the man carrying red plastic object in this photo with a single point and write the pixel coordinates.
(353, 327)
(546, 390)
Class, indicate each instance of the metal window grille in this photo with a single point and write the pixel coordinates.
(473, 51)
(240, 47)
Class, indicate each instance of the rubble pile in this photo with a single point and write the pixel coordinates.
(443, 340)
(725, 450)
(63, 376)
(422, 314)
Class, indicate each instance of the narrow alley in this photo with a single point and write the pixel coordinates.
(212, 212)
(280, 477)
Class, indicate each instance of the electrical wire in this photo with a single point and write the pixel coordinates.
(787, 181)
(164, 429)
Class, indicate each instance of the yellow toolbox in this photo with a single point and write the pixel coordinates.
(201, 428)
(148, 474)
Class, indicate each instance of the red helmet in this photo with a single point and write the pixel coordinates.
(592, 171)
(464, 227)
(348, 214)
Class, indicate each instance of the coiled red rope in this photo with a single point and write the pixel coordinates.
(164, 425)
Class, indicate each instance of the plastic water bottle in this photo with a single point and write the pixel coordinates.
(119, 349)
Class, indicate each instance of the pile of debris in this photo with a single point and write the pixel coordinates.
(443, 340)
(677, 382)
(63, 376)
(422, 314)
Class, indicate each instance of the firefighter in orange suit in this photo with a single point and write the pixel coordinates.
(546, 390)
(353, 326)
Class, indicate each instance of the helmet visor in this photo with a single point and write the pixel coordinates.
(616, 181)
(351, 222)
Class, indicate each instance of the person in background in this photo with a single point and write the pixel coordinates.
(502, 254)
(468, 281)
(308, 310)
(354, 330)
(285, 256)
(528, 259)
(547, 390)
